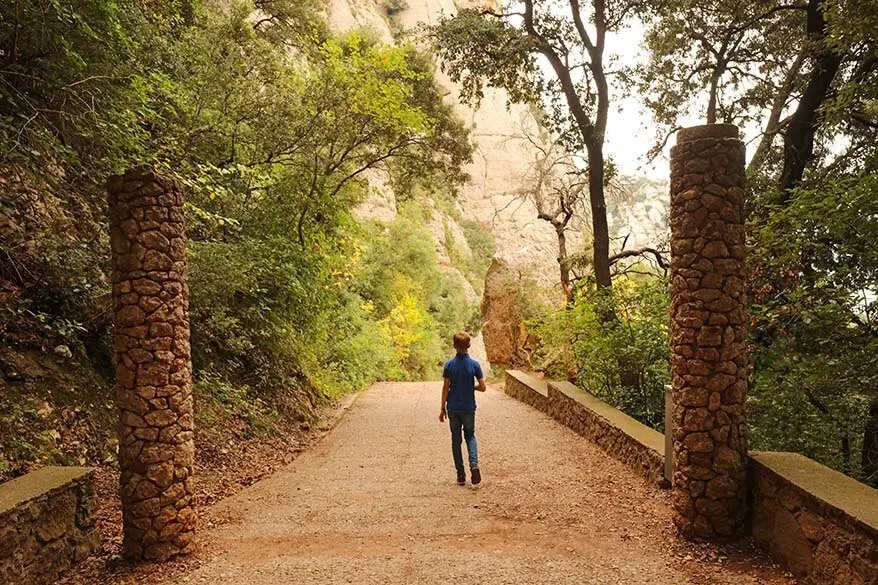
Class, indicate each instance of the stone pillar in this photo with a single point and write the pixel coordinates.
(708, 331)
(153, 366)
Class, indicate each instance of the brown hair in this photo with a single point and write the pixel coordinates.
(461, 341)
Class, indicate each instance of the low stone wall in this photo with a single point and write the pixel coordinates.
(624, 438)
(527, 389)
(817, 522)
(46, 524)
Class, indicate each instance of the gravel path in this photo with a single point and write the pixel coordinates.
(376, 502)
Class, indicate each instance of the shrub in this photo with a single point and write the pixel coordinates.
(634, 345)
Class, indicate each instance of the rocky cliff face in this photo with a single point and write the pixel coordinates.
(502, 155)
(640, 212)
(498, 172)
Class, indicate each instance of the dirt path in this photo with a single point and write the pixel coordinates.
(376, 502)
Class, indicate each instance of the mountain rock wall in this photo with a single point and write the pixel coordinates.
(502, 155)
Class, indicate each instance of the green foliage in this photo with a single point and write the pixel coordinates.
(271, 312)
(463, 41)
(419, 306)
(577, 339)
(814, 276)
(391, 9)
(814, 273)
(27, 436)
(235, 400)
(482, 247)
(753, 61)
(273, 126)
(401, 249)
(739, 51)
(413, 332)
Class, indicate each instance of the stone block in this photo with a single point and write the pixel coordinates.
(46, 524)
(789, 544)
(818, 523)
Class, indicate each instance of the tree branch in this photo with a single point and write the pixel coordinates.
(642, 252)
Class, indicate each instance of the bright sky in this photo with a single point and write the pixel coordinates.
(629, 128)
(631, 132)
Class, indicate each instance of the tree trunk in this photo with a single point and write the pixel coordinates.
(600, 227)
(869, 455)
(714, 88)
(777, 106)
(846, 466)
(562, 262)
(804, 123)
(592, 133)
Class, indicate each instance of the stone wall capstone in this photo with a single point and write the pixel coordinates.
(708, 331)
(46, 524)
(527, 389)
(153, 366)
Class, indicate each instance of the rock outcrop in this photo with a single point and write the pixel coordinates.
(503, 315)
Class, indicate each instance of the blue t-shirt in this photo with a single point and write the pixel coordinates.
(463, 371)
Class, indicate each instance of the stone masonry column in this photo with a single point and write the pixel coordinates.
(153, 366)
(708, 331)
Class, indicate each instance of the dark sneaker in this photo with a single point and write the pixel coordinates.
(461, 479)
(477, 476)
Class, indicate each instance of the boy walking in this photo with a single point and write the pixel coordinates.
(459, 405)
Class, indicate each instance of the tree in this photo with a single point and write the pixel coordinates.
(556, 186)
(275, 152)
(784, 65)
(734, 52)
(815, 327)
(735, 60)
(803, 124)
(273, 125)
(505, 49)
(804, 71)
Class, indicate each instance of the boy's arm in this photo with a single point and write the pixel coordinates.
(481, 378)
(446, 386)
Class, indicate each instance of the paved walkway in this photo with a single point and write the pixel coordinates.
(376, 502)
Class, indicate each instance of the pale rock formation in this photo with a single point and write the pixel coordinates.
(640, 212)
(442, 225)
(345, 15)
(502, 156)
(380, 203)
(478, 352)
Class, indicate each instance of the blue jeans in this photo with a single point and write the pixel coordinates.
(463, 423)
